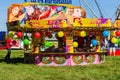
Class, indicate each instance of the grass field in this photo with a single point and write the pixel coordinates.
(17, 70)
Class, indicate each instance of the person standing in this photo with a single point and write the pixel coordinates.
(111, 46)
(8, 47)
(106, 43)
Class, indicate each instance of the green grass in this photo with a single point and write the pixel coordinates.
(17, 70)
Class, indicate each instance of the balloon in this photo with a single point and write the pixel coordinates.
(11, 32)
(117, 41)
(112, 33)
(48, 34)
(82, 33)
(47, 44)
(117, 33)
(105, 33)
(94, 42)
(37, 35)
(60, 34)
(75, 44)
(114, 40)
(14, 42)
(19, 34)
(26, 42)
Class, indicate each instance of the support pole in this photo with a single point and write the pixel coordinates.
(90, 8)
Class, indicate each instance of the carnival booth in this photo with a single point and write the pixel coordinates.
(60, 34)
(116, 39)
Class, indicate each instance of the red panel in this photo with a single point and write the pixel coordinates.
(117, 53)
(2, 47)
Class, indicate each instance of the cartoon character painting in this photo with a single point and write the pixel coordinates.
(15, 13)
(69, 11)
(77, 22)
(44, 10)
(26, 13)
(31, 13)
(64, 23)
(77, 12)
(36, 12)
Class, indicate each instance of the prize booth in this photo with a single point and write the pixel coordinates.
(116, 34)
(58, 34)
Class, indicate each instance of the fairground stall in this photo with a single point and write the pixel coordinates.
(116, 34)
(58, 34)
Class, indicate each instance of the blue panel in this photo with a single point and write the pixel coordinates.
(0, 35)
(40, 1)
(48, 1)
(51, 1)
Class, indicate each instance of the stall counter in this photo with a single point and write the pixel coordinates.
(64, 59)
